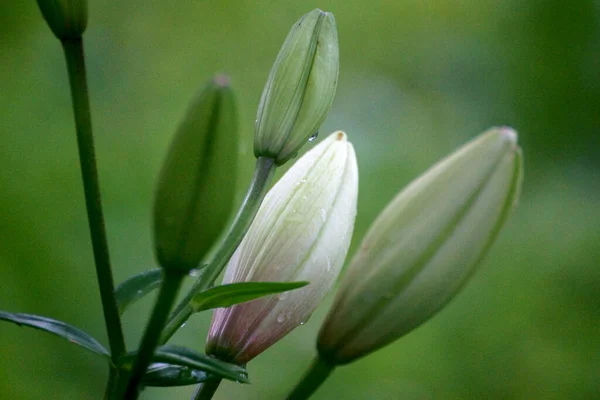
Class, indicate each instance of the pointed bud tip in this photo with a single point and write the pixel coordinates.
(341, 136)
(509, 134)
(222, 80)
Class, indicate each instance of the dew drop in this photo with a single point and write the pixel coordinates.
(328, 263)
(283, 296)
(281, 317)
(194, 272)
(323, 214)
(302, 322)
(182, 325)
(313, 137)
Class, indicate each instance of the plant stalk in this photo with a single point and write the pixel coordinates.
(74, 55)
(317, 374)
(164, 302)
(207, 390)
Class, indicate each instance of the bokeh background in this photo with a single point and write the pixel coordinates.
(418, 78)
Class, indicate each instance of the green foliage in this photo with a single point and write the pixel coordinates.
(137, 287)
(169, 375)
(179, 356)
(236, 293)
(68, 332)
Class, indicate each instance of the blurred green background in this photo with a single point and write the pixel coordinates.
(418, 78)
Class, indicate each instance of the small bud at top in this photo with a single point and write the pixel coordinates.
(196, 187)
(300, 88)
(66, 18)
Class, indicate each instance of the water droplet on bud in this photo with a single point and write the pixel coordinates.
(313, 137)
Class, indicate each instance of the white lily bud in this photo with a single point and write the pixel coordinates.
(300, 88)
(423, 247)
(301, 233)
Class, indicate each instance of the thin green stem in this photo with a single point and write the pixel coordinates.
(73, 49)
(164, 302)
(112, 377)
(207, 390)
(263, 174)
(317, 374)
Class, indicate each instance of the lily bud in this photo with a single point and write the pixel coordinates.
(196, 188)
(300, 88)
(67, 18)
(301, 233)
(424, 247)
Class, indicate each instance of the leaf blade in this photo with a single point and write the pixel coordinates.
(57, 328)
(178, 355)
(236, 293)
(169, 375)
(136, 287)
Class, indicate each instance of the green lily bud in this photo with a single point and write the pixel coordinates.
(66, 18)
(424, 247)
(301, 233)
(196, 187)
(300, 88)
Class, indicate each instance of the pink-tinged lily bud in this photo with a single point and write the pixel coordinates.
(424, 247)
(301, 233)
(300, 88)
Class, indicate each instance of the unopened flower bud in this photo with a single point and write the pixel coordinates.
(301, 233)
(300, 88)
(196, 187)
(423, 247)
(67, 18)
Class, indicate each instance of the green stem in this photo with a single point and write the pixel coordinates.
(263, 174)
(207, 390)
(73, 49)
(164, 302)
(112, 378)
(316, 375)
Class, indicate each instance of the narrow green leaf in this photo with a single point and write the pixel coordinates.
(236, 293)
(169, 375)
(184, 357)
(58, 328)
(137, 287)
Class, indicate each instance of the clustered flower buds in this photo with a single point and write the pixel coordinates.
(192, 204)
(423, 247)
(67, 18)
(415, 258)
(300, 88)
(301, 233)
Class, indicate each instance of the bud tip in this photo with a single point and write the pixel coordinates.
(509, 134)
(341, 136)
(222, 80)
